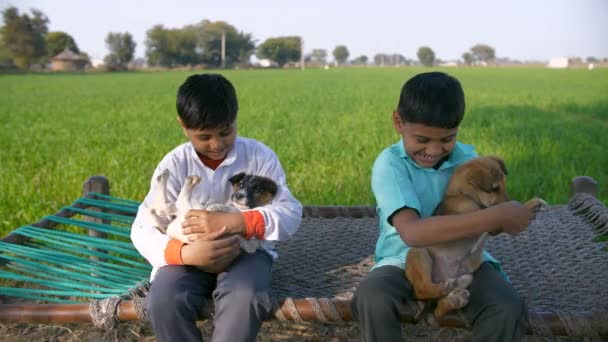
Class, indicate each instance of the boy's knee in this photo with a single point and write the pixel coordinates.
(515, 307)
(371, 298)
(159, 304)
(241, 296)
(512, 309)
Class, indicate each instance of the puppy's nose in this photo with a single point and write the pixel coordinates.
(238, 196)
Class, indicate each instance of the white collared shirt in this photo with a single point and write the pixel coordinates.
(282, 217)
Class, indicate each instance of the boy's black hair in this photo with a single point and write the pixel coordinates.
(207, 101)
(434, 99)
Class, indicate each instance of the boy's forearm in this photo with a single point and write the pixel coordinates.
(439, 229)
(235, 223)
(189, 256)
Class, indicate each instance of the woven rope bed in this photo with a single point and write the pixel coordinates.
(555, 265)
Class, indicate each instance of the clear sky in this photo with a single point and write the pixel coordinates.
(518, 29)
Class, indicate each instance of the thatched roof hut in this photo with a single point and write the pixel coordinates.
(68, 60)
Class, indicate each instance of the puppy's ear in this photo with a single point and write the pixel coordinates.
(501, 162)
(482, 180)
(484, 177)
(270, 186)
(236, 178)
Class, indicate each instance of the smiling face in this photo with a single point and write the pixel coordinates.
(214, 143)
(426, 145)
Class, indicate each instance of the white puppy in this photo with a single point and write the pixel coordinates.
(249, 192)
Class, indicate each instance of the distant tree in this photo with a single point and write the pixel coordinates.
(318, 56)
(361, 60)
(158, 49)
(184, 47)
(239, 46)
(281, 49)
(468, 58)
(6, 60)
(483, 53)
(575, 60)
(398, 59)
(381, 59)
(24, 36)
(426, 56)
(122, 48)
(341, 54)
(592, 59)
(58, 41)
(86, 58)
(172, 47)
(137, 63)
(199, 43)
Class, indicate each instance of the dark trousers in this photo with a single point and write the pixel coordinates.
(240, 295)
(495, 310)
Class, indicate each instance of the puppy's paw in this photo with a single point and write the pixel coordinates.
(193, 180)
(537, 205)
(162, 176)
(176, 232)
(220, 207)
(458, 298)
(447, 286)
(464, 281)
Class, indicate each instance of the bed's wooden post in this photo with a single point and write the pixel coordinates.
(99, 184)
(582, 184)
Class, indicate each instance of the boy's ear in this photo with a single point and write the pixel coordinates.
(397, 122)
(236, 178)
(181, 123)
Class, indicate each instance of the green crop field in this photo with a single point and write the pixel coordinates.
(327, 127)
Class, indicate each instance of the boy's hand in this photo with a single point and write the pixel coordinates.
(211, 255)
(205, 222)
(514, 217)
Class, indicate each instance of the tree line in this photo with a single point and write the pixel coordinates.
(26, 41)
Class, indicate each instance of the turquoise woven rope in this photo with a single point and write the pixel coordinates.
(60, 265)
(65, 259)
(100, 227)
(108, 205)
(99, 214)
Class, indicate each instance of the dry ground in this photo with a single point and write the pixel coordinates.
(271, 331)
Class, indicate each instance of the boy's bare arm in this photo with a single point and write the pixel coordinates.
(205, 222)
(509, 217)
(212, 255)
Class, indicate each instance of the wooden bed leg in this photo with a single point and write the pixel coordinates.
(101, 185)
(583, 184)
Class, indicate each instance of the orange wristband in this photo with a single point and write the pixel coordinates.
(173, 252)
(255, 227)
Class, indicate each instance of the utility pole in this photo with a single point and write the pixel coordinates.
(223, 49)
(302, 67)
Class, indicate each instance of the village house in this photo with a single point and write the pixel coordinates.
(68, 60)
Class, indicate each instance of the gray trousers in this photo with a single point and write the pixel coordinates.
(495, 310)
(240, 295)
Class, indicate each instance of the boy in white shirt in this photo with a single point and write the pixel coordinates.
(185, 275)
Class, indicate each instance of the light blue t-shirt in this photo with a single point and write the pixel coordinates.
(397, 182)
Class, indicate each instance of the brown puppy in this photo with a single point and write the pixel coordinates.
(444, 271)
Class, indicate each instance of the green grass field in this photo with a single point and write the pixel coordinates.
(327, 127)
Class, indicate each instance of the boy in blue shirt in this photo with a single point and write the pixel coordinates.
(408, 181)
